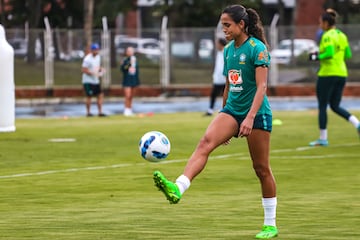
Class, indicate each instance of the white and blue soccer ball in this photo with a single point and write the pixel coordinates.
(154, 146)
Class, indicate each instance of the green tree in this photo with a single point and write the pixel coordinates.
(33, 12)
(195, 13)
(111, 9)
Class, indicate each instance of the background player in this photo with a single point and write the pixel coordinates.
(334, 49)
(91, 73)
(218, 76)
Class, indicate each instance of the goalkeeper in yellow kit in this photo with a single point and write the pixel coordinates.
(334, 49)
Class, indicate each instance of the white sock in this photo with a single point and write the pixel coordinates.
(183, 183)
(354, 121)
(269, 205)
(323, 134)
(128, 111)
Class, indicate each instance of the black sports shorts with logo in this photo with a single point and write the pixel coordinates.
(92, 89)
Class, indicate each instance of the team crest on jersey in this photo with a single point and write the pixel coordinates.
(242, 58)
(235, 76)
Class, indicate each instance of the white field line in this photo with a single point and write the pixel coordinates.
(318, 156)
(241, 156)
(332, 146)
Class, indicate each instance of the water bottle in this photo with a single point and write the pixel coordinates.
(7, 85)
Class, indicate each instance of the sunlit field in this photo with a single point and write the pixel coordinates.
(84, 179)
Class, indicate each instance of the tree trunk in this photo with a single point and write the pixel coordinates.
(88, 23)
(34, 20)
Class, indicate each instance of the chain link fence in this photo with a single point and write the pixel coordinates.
(186, 53)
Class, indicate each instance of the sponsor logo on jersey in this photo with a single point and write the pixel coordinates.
(236, 88)
(235, 79)
(235, 76)
(263, 56)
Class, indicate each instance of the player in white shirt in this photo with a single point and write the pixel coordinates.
(91, 73)
(218, 76)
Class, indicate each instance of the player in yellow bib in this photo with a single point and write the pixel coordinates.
(334, 49)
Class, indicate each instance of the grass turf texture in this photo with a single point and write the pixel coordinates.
(99, 187)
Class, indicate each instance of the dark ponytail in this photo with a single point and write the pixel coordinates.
(329, 16)
(253, 24)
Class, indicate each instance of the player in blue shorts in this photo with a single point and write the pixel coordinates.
(246, 112)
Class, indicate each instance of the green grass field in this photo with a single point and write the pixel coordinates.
(98, 187)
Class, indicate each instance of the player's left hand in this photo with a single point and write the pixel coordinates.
(245, 128)
(314, 56)
(101, 72)
(132, 70)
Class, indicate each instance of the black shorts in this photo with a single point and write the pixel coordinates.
(92, 89)
(131, 82)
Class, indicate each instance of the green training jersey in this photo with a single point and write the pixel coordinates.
(333, 50)
(239, 68)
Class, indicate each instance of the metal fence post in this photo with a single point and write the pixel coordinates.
(49, 57)
(165, 54)
(105, 54)
(274, 68)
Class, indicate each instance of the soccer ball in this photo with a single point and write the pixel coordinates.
(154, 146)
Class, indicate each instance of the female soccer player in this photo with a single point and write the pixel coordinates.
(130, 70)
(246, 112)
(334, 49)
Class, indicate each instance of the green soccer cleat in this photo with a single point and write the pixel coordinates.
(169, 188)
(267, 232)
(319, 142)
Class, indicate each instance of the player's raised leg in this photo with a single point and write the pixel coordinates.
(170, 189)
(221, 129)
